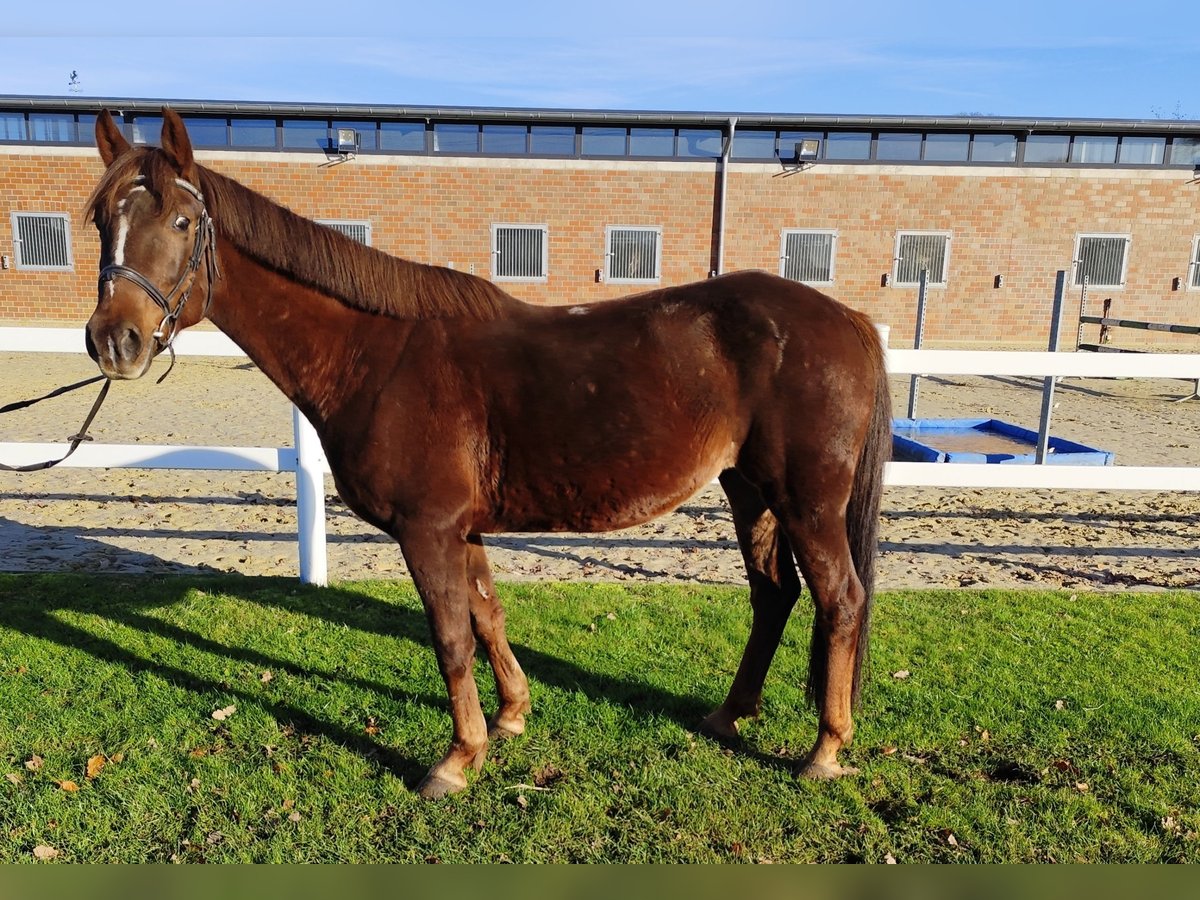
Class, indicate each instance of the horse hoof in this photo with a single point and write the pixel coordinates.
(719, 728)
(823, 772)
(498, 732)
(434, 787)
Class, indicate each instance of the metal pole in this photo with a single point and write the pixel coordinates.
(914, 387)
(310, 501)
(1083, 299)
(1048, 386)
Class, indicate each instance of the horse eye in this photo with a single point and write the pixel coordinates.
(182, 223)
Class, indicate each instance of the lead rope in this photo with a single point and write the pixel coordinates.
(76, 439)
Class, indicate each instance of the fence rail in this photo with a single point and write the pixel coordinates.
(307, 462)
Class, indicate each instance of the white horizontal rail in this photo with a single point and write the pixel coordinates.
(1040, 364)
(309, 465)
(70, 340)
(155, 456)
(1093, 478)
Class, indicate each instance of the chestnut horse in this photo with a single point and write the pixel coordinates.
(449, 409)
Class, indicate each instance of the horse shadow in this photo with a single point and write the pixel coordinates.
(41, 607)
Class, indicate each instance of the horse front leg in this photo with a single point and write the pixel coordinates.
(437, 561)
(487, 617)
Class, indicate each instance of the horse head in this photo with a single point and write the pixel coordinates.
(157, 248)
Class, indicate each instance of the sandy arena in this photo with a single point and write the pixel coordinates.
(131, 520)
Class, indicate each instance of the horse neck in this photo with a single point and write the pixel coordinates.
(304, 341)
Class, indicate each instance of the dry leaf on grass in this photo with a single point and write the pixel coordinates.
(68, 786)
(44, 852)
(95, 764)
(901, 675)
(222, 714)
(34, 763)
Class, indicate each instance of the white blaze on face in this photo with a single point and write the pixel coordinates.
(118, 258)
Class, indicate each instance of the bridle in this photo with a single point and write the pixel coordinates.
(204, 251)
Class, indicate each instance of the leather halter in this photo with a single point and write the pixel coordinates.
(204, 250)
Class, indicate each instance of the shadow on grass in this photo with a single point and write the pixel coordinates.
(32, 605)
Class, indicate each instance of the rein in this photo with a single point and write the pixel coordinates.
(76, 439)
(204, 250)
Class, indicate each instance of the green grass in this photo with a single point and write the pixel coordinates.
(1032, 727)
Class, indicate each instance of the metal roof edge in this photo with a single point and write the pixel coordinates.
(1041, 124)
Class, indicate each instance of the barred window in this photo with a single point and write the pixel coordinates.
(1101, 259)
(632, 254)
(807, 256)
(917, 250)
(43, 241)
(520, 252)
(1194, 266)
(351, 228)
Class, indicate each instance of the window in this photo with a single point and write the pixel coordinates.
(552, 140)
(305, 134)
(12, 126)
(509, 139)
(699, 142)
(895, 146)
(1101, 259)
(848, 145)
(994, 148)
(1047, 148)
(632, 254)
(754, 144)
(43, 241)
(207, 132)
(917, 250)
(1142, 151)
(252, 132)
(947, 147)
(407, 137)
(1193, 279)
(807, 256)
(351, 228)
(52, 127)
(1184, 151)
(519, 252)
(1094, 149)
(147, 129)
(603, 141)
(651, 141)
(455, 138)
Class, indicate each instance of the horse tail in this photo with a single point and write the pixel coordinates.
(862, 513)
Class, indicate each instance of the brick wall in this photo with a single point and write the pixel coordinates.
(1017, 223)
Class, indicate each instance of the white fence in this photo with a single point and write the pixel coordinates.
(306, 460)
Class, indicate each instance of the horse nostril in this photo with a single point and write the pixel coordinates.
(90, 345)
(128, 344)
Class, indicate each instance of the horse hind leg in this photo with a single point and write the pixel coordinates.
(487, 620)
(774, 588)
(840, 620)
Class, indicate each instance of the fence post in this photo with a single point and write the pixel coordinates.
(914, 386)
(1043, 443)
(310, 501)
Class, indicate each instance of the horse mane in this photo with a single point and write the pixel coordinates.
(312, 254)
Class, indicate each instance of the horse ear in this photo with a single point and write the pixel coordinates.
(177, 145)
(109, 140)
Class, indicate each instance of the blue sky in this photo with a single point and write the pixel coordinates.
(1137, 60)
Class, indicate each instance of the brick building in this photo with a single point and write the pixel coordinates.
(581, 206)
